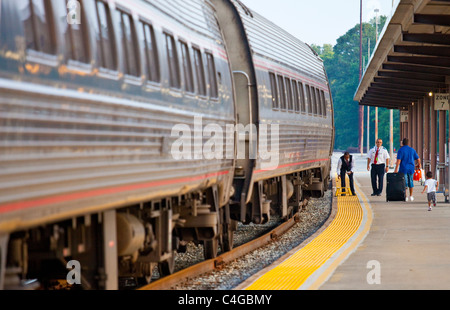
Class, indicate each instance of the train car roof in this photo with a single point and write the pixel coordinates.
(266, 38)
(192, 14)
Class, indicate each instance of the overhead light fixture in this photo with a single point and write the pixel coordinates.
(430, 94)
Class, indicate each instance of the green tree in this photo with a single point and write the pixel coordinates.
(326, 51)
(342, 65)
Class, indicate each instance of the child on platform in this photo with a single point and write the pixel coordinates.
(431, 186)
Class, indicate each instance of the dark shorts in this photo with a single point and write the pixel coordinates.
(431, 197)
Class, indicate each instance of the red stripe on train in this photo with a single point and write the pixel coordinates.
(21, 205)
(293, 164)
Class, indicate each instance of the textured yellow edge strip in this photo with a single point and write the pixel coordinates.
(294, 271)
(368, 223)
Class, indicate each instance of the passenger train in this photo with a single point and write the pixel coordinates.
(121, 140)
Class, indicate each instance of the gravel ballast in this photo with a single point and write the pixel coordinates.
(311, 218)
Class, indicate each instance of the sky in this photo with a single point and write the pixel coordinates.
(318, 21)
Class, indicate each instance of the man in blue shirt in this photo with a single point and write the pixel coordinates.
(406, 159)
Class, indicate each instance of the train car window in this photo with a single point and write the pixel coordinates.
(302, 97)
(324, 103)
(187, 68)
(200, 72)
(273, 85)
(319, 102)
(289, 94)
(295, 94)
(39, 28)
(151, 53)
(76, 35)
(313, 100)
(172, 58)
(105, 40)
(282, 92)
(129, 43)
(212, 74)
(28, 23)
(308, 98)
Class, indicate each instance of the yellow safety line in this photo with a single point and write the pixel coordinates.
(295, 271)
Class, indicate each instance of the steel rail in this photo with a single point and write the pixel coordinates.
(217, 263)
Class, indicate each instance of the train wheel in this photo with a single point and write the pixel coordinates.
(210, 248)
(322, 191)
(228, 235)
(167, 267)
(146, 274)
(319, 193)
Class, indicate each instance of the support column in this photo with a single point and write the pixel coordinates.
(405, 130)
(391, 138)
(442, 142)
(433, 139)
(447, 174)
(419, 129)
(401, 129)
(414, 126)
(368, 129)
(410, 125)
(426, 135)
(376, 125)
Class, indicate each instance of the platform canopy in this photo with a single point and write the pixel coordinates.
(412, 57)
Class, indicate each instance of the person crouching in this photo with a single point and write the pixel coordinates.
(345, 167)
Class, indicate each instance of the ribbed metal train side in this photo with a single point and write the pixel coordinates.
(71, 139)
(304, 137)
(120, 133)
(302, 143)
(80, 140)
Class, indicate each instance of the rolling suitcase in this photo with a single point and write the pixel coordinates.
(395, 187)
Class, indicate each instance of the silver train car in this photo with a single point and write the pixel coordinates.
(129, 128)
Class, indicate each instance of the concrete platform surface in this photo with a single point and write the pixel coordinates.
(406, 248)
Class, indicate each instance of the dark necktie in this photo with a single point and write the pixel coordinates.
(376, 156)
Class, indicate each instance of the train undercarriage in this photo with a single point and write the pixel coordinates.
(120, 248)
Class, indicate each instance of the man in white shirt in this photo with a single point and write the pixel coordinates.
(378, 164)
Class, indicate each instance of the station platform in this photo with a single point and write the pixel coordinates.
(369, 244)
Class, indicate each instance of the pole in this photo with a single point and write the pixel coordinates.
(376, 124)
(376, 24)
(376, 41)
(361, 108)
(368, 129)
(360, 41)
(391, 140)
(447, 177)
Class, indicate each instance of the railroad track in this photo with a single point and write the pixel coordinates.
(219, 262)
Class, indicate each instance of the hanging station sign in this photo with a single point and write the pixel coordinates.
(404, 116)
(441, 101)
